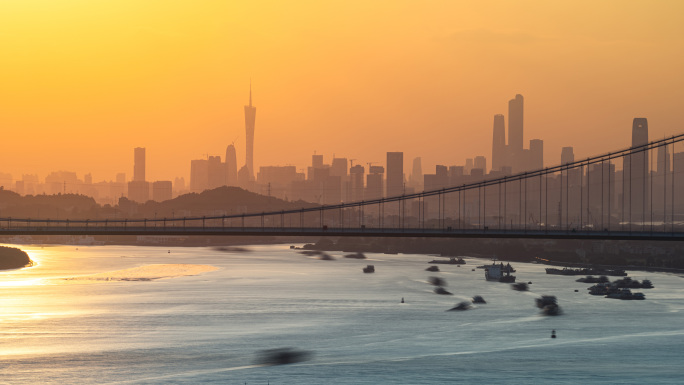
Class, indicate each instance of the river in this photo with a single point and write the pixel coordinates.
(153, 315)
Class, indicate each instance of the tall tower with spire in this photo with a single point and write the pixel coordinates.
(250, 117)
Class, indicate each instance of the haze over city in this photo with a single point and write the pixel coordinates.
(85, 83)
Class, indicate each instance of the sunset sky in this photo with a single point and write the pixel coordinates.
(84, 82)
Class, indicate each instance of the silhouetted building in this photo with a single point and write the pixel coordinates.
(416, 179)
(139, 191)
(217, 172)
(250, 118)
(374, 182)
(62, 182)
(316, 161)
(356, 181)
(395, 173)
(481, 163)
(567, 155)
(468, 166)
(515, 132)
(179, 186)
(139, 164)
(199, 175)
(231, 166)
(678, 169)
(455, 175)
(162, 190)
(636, 174)
(339, 167)
(662, 185)
(536, 155)
(498, 143)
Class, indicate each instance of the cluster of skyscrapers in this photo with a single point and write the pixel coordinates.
(342, 180)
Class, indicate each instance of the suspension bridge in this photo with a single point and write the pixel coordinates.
(636, 193)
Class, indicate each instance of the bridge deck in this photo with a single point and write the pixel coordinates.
(344, 232)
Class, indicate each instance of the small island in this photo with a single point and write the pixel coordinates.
(13, 258)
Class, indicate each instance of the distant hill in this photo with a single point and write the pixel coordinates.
(220, 201)
(13, 258)
(59, 206)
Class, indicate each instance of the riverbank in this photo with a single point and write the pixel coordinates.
(13, 258)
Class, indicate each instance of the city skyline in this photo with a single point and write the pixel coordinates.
(80, 90)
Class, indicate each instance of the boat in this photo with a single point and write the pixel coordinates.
(496, 273)
(465, 305)
(507, 268)
(357, 255)
(441, 290)
(548, 305)
(599, 289)
(520, 286)
(592, 279)
(437, 281)
(586, 271)
(625, 294)
(478, 299)
(369, 269)
(450, 261)
(282, 356)
(432, 268)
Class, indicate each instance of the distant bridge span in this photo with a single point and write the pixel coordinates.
(584, 199)
(345, 232)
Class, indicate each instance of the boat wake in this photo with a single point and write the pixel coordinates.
(146, 273)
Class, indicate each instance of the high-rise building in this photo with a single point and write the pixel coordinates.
(536, 154)
(567, 155)
(636, 173)
(250, 118)
(162, 190)
(339, 167)
(356, 181)
(139, 188)
(515, 132)
(498, 143)
(199, 175)
(481, 163)
(217, 172)
(468, 165)
(231, 166)
(316, 161)
(395, 173)
(416, 180)
(374, 181)
(663, 164)
(139, 164)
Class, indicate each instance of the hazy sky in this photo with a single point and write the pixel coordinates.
(84, 82)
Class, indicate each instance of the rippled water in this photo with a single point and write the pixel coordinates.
(210, 327)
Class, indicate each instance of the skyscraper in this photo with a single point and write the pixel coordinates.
(515, 132)
(395, 173)
(231, 166)
(536, 154)
(417, 174)
(138, 188)
(567, 155)
(356, 174)
(250, 118)
(636, 172)
(139, 164)
(498, 143)
(481, 163)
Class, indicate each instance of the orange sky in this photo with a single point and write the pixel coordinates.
(84, 82)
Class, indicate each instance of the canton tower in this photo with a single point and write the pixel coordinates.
(250, 117)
